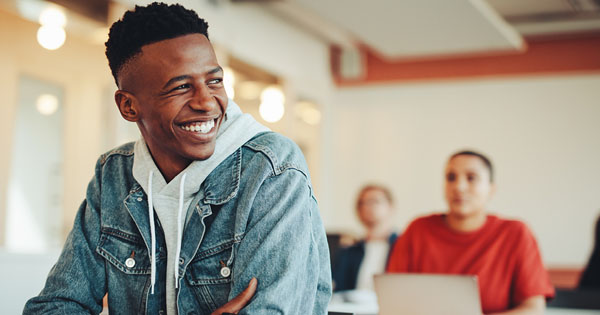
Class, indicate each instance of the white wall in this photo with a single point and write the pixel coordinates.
(542, 134)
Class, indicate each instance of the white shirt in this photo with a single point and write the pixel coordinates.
(373, 263)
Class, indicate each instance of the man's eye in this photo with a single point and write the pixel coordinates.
(215, 81)
(181, 87)
(471, 178)
(450, 177)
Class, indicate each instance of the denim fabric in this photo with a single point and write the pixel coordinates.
(255, 213)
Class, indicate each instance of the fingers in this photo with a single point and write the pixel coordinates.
(240, 301)
(244, 297)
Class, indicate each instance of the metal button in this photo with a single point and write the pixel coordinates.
(139, 199)
(225, 272)
(181, 261)
(130, 262)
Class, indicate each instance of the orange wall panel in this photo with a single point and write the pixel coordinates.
(542, 56)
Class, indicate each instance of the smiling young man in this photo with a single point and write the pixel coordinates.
(183, 220)
(466, 240)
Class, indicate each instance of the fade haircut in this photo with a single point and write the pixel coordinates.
(483, 158)
(147, 25)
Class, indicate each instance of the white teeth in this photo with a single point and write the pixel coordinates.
(201, 127)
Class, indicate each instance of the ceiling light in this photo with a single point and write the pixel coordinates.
(51, 37)
(53, 16)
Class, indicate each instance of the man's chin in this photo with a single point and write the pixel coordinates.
(202, 154)
(463, 214)
(203, 157)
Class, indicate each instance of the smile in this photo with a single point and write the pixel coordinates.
(199, 126)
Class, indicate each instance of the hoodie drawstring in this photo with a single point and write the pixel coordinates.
(179, 230)
(152, 232)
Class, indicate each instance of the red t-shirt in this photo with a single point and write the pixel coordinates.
(502, 253)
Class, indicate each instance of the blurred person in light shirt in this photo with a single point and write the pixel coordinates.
(355, 265)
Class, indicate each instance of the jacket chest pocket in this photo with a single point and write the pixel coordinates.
(126, 252)
(210, 274)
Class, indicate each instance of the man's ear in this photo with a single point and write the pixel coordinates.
(127, 105)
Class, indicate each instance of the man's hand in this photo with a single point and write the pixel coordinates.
(238, 302)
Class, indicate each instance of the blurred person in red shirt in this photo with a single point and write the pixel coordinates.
(466, 240)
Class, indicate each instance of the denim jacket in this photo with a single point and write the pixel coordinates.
(254, 215)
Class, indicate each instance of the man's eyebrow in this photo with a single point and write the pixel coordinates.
(175, 79)
(215, 70)
(187, 76)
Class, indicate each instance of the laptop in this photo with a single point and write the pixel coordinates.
(427, 294)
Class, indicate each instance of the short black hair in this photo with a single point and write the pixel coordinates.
(482, 157)
(146, 25)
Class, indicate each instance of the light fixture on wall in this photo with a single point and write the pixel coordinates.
(46, 104)
(229, 82)
(51, 34)
(271, 107)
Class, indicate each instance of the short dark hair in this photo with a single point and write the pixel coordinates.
(386, 192)
(482, 157)
(147, 25)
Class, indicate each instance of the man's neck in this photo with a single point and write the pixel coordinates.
(466, 223)
(379, 232)
(169, 172)
(168, 167)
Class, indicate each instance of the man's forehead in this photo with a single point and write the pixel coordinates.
(469, 162)
(170, 54)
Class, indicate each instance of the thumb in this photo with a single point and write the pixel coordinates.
(240, 301)
(243, 298)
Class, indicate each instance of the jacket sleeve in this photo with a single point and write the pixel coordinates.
(285, 248)
(76, 284)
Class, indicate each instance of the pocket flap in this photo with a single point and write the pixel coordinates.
(127, 252)
(208, 265)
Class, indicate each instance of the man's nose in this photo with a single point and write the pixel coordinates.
(203, 99)
(460, 184)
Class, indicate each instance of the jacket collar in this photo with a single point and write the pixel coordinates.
(224, 182)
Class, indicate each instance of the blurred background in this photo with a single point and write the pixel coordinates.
(372, 91)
